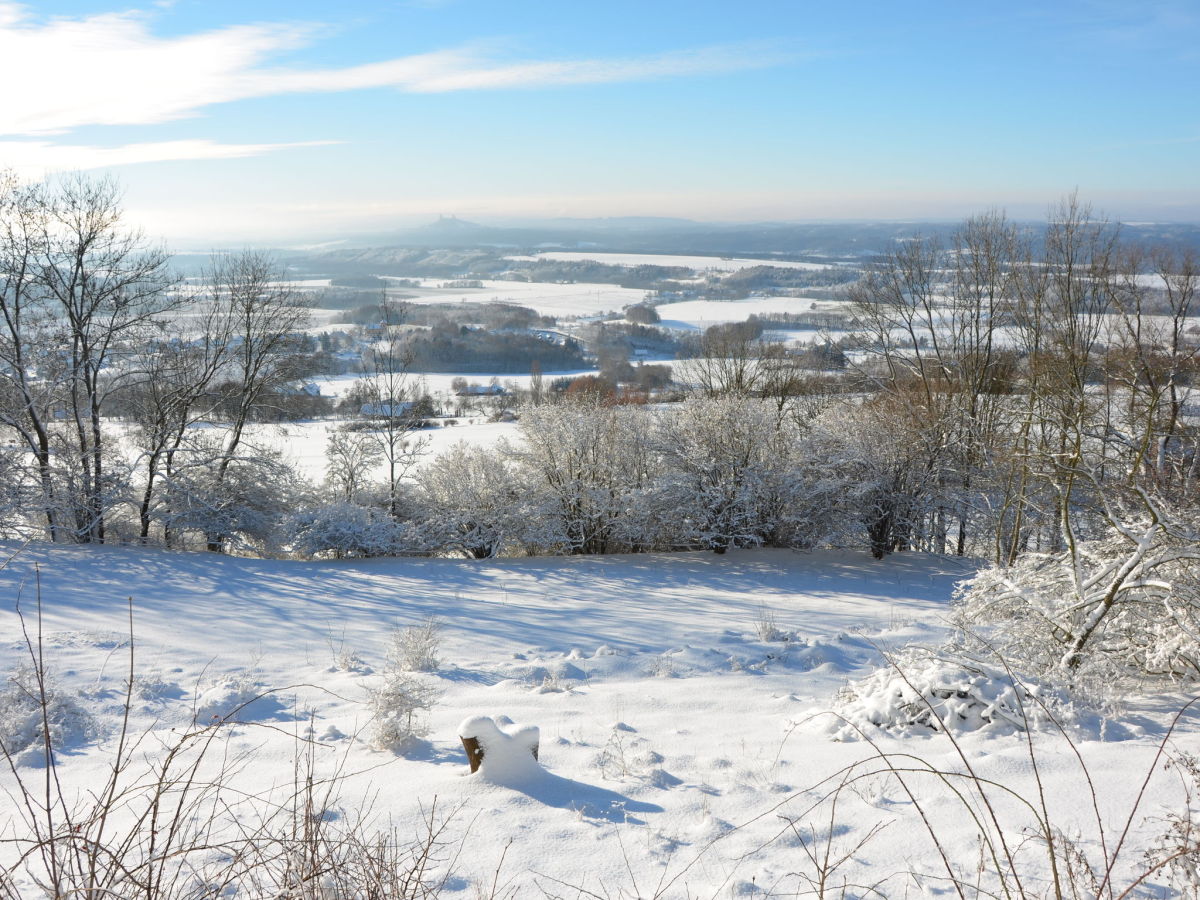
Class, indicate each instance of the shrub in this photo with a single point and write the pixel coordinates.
(414, 649)
(397, 708)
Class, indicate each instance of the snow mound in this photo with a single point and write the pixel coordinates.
(921, 692)
(509, 750)
(235, 698)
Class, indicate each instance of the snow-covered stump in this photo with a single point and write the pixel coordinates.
(499, 748)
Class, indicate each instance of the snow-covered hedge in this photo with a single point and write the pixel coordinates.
(345, 529)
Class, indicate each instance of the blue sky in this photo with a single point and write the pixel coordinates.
(272, 120)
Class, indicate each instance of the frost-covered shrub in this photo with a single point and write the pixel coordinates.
(398, 707)
(580, 467)
(28, 709)
(921, 692)
(414, 649)
(727, 475)
(766, 628)
(1126, 604)
(242, 504)
(1177, 851)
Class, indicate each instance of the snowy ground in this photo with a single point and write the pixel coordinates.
(679, 748)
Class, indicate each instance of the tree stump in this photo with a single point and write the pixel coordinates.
(474, 753)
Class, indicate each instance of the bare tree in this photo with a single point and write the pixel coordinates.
(81, 291)
(350, 458)
(176, 391)
(262, 316)
(390, 402)
(27, 357)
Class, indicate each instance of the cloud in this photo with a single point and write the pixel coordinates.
(34, 159)
(109, 69)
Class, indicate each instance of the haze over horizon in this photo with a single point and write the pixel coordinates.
(274, 121)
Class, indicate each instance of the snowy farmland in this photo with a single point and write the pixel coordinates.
(698, 263)
(697, 315)
(559, 300)
(683, 704)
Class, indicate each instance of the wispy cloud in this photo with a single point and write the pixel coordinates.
(111, 70)
(35, 159)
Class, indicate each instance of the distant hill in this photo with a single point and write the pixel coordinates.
(830, 240)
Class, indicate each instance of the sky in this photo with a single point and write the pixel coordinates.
(275, 121)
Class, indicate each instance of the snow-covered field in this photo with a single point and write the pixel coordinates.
(700, 263)
(303, 444)
(440, 384)
(682, 754)
(561, 300)
(696, 315)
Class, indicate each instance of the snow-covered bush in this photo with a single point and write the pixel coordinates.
(766, 628)
(879, 462)
(414, 649)
(921, 692)
(30, 706)
(581, 466)
(345, 530)
(726, 459)
(469, 502)
(238, 502)
(1125, 604)
(398, 707)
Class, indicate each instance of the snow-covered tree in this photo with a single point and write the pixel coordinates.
(582, 462)
(726, 471)
(350, 458)
(468, 501)
(245, 499)
(78, 290)
(879, 460)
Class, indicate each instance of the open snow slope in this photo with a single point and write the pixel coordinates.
(678, 747)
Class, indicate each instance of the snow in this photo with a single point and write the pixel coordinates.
(920, 692)
(303, 444)
(676, 744)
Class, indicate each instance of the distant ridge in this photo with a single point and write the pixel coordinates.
(782, 240)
